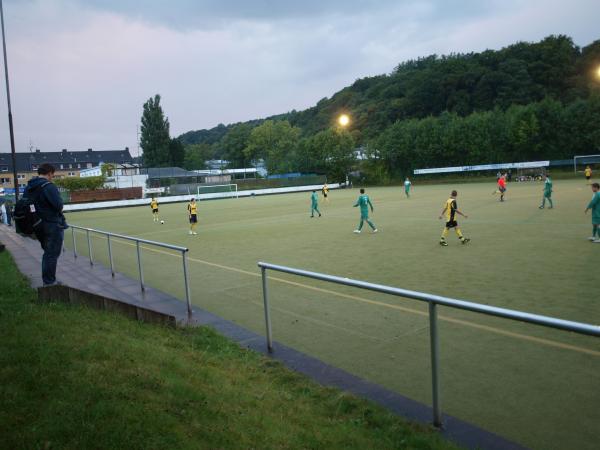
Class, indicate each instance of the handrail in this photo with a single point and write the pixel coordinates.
(433, 301)
(138, 241)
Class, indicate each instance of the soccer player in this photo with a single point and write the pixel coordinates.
(314, 204)
(154, 206)
(501, 187)
(547, 192)
(588, 173)
(192, 209)
(364, 202)
(407, 185)
(594, 205)
(451, 210)
(325, 191)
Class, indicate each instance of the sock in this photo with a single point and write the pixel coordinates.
(595, 231)
(550, 201)
(360, 225)
(444, 234)
(459, 233)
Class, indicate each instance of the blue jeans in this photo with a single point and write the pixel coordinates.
(51, 241)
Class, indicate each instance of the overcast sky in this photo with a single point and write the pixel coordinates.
(81, 70)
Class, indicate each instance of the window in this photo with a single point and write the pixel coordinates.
(71, 174)
(34, 167)
(20, 176)
(70, 166)
(79, 166)
(62, 166)
(5, 180)
(89, 165)
(3, 168)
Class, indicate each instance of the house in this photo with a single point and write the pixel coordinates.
(67, 163)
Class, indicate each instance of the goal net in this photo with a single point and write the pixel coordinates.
(581, 161)
(229, 190)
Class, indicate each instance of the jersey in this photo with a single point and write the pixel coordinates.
(451, 207)
(501, 183)
(548, 187)
(407, 185)
(588, 172)
(364, 202)
(314, 199)
(154, 204)
(192, 209)
(325, 190)
(594, 205)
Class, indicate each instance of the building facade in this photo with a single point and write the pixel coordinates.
(67, 163)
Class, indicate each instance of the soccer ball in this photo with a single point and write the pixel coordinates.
(162, 222)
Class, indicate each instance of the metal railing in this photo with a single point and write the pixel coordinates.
(138, 241)
(433, 301)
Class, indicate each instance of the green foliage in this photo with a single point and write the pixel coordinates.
(276, 142)
(155, 140)
(196, 156)
(107, 170)
(176, 153)
(330, 152)
(80, 184)
(528, 100)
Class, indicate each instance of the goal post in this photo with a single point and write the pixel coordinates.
(584, 160)
(230, 189)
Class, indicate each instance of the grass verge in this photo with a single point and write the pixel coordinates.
(72, 377)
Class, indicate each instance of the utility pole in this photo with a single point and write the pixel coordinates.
(10, 121)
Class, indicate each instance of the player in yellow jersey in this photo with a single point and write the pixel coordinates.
(451, 210)
(192, 209)
(154, 206)
(588, 173)
(325, 191)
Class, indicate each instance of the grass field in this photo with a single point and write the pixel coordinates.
(76, 378)
(536, 386)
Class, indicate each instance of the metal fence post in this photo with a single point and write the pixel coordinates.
(267, 311)
(110, 258)
(139, 258)
(435, 378)
(188, 297)
(89, 247)
(74, 242)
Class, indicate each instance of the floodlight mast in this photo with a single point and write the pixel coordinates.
(10, 121)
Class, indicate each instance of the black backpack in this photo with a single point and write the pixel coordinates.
(26, 219)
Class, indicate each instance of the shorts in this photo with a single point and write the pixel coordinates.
(193, 218)
(588, 178)
(325, 194)
(503, 190)
(451, 224)
(155, 210)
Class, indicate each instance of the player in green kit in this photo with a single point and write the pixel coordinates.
(364, 202)
(407, 185)
(594, 205)
(547, 193)
(314, 204)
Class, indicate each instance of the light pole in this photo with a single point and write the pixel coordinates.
(10, 121)
(344, 120)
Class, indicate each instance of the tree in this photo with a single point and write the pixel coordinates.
(233, 143)
(155, 138)
(332, 151)
(176, 153)
(276, 142)
(196, 156)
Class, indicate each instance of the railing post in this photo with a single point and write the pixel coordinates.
(188, 297)
(74, 242)
(435, 377)
(139, 258)
(267, 310)
(89, 247)
(110, 257)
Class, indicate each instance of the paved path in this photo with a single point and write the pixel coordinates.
(79, 273)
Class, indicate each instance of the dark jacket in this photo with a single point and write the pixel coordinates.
(49, 204)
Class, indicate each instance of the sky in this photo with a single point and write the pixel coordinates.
(80, 71)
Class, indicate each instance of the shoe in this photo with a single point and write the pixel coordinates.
(319, 214)
(443, 243)
(593, 238)
(466, 240)
(375, 230)
(357, 231)
(596, 241)
(541, 207)
(312, 217)
(194, 232)
(190, 232)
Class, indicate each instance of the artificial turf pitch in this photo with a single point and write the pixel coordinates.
(536, 386)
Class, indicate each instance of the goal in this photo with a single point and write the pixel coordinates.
(228, 190)
(584, 160)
